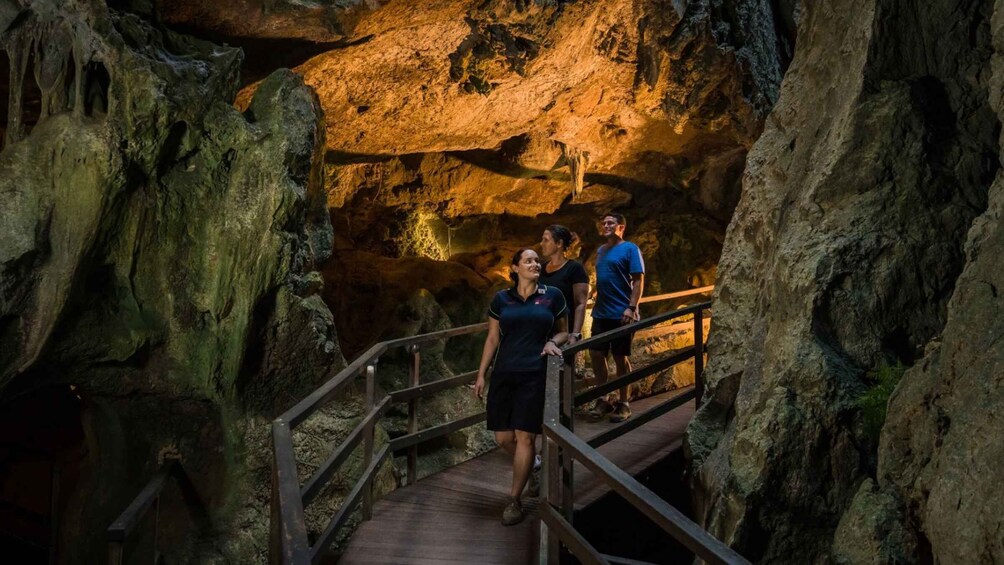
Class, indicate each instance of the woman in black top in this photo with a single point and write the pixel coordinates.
(567, 275)
(526, 323)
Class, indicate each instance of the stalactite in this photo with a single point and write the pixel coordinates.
(18, 46)
(52, 55)
(79, 77)
(577, 161)
(47, 47)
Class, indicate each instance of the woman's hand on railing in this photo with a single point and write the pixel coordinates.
(550, 348)
(479, 386)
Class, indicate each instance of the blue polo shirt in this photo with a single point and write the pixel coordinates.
(614, 267)
(526, 325)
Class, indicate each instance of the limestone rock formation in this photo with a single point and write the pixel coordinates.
(940, 450)
(443, 115)
(842, 256)
(157, 256)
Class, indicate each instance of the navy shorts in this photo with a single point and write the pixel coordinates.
(516, 401)
(620, 346)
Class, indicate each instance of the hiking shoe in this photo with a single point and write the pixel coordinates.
(533, 484)
(600, 409)
(621, 412)
(513, 513)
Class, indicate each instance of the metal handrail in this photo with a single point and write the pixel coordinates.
(562, 446)
(149, 497)
(289, 542)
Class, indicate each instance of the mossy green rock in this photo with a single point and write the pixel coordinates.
(157, 253)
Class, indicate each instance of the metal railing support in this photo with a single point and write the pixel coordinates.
(562, 447)
(699, 356)
(289, 543)
(550, 544)
(567, 393)
(291, 528)
(413, 381)
(368, 440)
(148, 500)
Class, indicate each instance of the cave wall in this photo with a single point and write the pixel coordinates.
(158, 255)
(846, 246)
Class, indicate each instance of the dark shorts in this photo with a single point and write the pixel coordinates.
(516, 401)
(619, 346)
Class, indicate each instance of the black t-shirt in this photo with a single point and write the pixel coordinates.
(526, 325)
(571, 273)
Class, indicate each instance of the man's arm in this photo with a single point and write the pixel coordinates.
(637, 285)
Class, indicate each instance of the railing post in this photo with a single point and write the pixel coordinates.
(274, 539)
(53, 513)
(698, 357)
(550, 545)
(156, 531)
(413, 381)
(292, 542)
(114, 553)
(368, 441)
(568, 421)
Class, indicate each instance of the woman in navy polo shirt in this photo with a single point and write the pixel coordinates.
(526, 323)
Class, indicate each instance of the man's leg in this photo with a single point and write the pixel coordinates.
(601, 407)
(599, 359)
(507, 441)
(623, 364)
(622, 410)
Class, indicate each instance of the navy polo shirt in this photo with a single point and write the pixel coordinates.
(526, 325)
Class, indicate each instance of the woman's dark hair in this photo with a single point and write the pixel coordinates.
(562, 234)
(515, 261)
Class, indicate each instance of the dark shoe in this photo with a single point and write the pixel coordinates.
(621, 412)
(513, 513)
(533, 484)
(600, 409)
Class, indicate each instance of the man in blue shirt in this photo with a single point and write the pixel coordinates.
(620, 278)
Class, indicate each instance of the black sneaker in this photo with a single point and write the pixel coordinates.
(600, 409)
(621, 412)
(513, 513)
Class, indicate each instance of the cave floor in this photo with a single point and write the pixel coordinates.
(453, 516)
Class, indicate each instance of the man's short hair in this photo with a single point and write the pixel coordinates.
(621, 220)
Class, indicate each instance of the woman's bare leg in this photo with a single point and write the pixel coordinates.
(507, 441)
(522, 461)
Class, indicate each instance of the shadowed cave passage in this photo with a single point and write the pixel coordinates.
(42, 453)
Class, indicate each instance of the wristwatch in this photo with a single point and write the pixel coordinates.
(576, 335)
(632, 308)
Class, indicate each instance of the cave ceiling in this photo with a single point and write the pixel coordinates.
(643, 91)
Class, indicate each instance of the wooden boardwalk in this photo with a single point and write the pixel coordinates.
(453, 516)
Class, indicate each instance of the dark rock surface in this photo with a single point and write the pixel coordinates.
(157, 256)
(845, 249)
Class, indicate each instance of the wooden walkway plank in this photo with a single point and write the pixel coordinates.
(453, 516)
